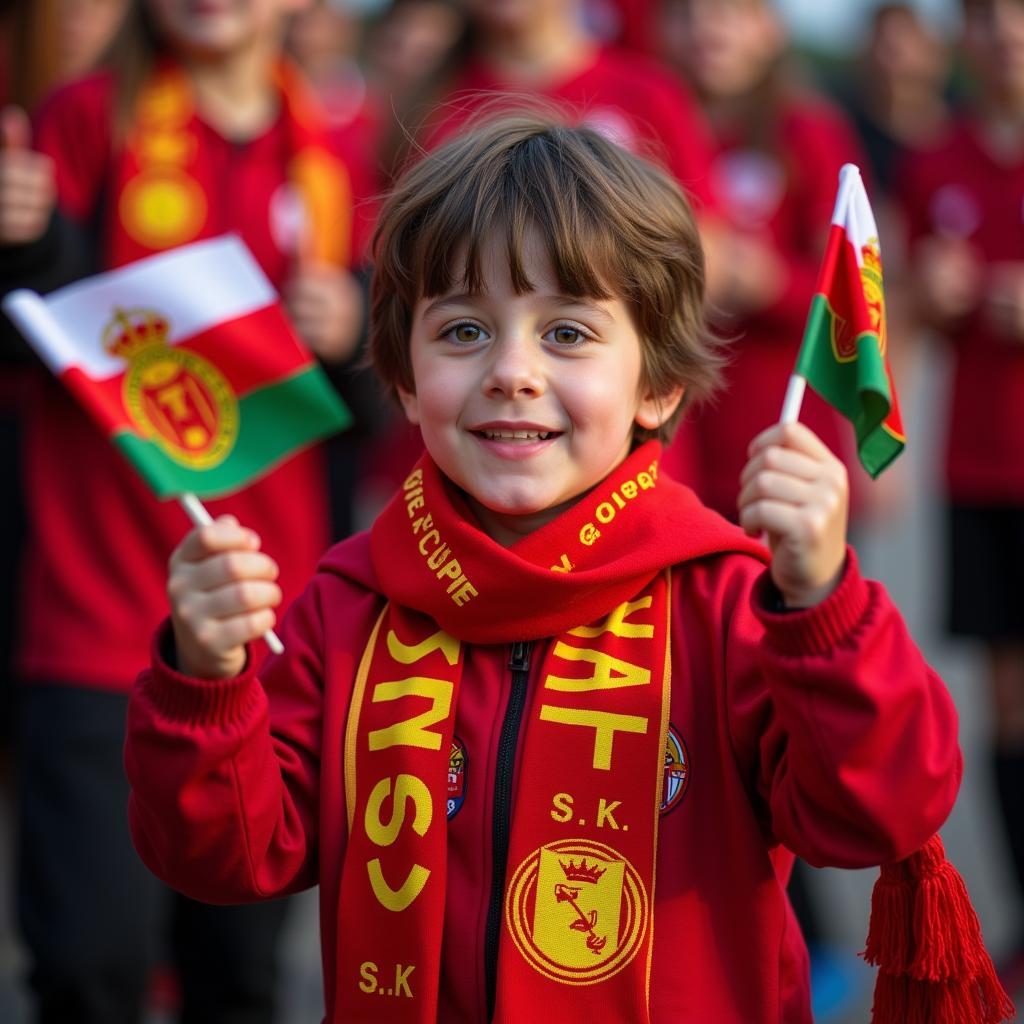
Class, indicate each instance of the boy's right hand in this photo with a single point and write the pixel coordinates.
(28, 187)
(222, 593)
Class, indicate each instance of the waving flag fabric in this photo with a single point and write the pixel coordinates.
(844, 353)
(188, 361)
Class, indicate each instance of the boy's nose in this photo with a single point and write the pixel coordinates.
(514, 369)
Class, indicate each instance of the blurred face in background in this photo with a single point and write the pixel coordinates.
(903, 50)
(321, 34)
(214, 28)
(725, 47)
(410, 42)
(84, 30)
(994, 41)
(517, 17)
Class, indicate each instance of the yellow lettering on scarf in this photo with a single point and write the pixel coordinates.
(561, 807)
(384, 833)
(406, 654)
(610, 673)
(413, 732)
(617, 625)
(396, 899)
(604, 813)
(407, 787)
(604, 723)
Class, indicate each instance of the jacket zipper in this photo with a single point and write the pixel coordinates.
(519, 663)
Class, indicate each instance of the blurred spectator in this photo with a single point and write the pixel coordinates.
(964, 198)
(194, 129)
(773, 178)
(897, 97)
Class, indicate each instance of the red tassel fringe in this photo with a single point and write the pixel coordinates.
(925, 939)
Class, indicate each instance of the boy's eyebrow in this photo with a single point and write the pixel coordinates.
(448, 301)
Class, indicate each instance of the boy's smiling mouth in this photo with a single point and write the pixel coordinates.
(517, 434)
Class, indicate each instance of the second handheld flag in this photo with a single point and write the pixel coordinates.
(844, 356)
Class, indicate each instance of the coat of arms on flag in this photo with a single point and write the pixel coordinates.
(844, 355)
(188, 362)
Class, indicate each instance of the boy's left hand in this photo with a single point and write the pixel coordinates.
(795, 491)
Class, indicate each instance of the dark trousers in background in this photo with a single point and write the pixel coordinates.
(94, 919)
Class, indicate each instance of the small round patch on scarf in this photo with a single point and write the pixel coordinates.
(677, 771)
(577, 910)
(456, 777)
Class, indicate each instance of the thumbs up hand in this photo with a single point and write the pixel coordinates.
(28, 189)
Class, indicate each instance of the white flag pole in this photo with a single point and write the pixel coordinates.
(849, 176)
(196, 511)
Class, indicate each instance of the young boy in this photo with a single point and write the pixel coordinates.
(547, 678)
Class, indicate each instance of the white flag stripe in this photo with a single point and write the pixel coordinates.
(156, 283)
(28, 312)
(853, 211)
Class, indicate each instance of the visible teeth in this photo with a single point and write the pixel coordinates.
(516, 435)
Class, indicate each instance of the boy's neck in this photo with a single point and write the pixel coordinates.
(552, 49)
(236, 94)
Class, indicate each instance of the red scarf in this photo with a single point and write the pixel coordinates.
(579, 899)
(164, 186)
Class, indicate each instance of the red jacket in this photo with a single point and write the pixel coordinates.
(95, 567)
(820, 732)
(959, 189)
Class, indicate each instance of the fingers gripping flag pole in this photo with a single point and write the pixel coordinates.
(844, 354)
(187, 361)
(197, 512)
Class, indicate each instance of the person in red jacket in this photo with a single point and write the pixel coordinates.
(774, 176)
(964, 201)
(549, 735)
(196, 129)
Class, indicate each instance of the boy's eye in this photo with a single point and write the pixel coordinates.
(566, 335)
(465, 333)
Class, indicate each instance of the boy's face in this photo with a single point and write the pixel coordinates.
(526, 401)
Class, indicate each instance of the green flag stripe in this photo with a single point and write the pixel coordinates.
(858, 388)
(275, 421)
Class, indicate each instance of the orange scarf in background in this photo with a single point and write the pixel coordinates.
(165, 189)
(578, 907)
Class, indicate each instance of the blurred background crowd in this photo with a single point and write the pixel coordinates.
(108, 153)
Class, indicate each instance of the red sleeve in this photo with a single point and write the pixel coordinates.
(225, 774)
(849, 736)
(73, 126)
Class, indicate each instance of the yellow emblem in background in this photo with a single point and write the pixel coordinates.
(162, 207)
(175, 398)
(577, 911)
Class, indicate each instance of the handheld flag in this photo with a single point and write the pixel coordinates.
(844, 353)
(187, 360)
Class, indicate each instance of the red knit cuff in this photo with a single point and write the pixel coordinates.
(816, 630)
(199, 701)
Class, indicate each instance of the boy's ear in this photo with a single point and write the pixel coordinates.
(410, 405)
(654, 410)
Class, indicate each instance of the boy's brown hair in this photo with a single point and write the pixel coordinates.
(611, 222)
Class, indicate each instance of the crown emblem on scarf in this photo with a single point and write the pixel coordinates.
(132, 330)
(581, 872)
